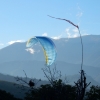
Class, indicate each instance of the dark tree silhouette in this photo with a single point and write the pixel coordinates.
(25, 82)
(57, 91)
(81, 86)
(52, 75)
(93, 93)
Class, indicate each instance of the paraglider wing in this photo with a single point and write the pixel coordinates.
(48, 48)
(31, 42)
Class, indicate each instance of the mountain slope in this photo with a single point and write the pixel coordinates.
(15, 58)
(68, 50)
(33, 69)
(9, 87)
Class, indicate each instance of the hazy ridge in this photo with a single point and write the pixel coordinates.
(15, 58)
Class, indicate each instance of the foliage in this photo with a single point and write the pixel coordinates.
(93, 93)
(60, 91)
(57, 91)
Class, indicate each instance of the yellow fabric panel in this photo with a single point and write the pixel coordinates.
(46, 56)
(28, 41)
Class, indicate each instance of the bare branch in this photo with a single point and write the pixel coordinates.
(65, 20)
(79, 34)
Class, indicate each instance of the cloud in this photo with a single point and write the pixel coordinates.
(31, 50)
(12, 42)
(57, 37)
(75, 30)
(68, 33)
(80, 12)
(44, 34)
(1, 44)
(73, 33)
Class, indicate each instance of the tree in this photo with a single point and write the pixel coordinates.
(57, 91)
(93, 93)
(81, 86)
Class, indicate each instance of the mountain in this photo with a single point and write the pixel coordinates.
(11, 85)
(33, 69)
(68, 50)
(16, 57)
(14, 87)
(17, 90)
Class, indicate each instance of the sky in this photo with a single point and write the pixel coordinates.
(23, 19)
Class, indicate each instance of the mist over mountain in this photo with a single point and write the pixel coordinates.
(16, 57)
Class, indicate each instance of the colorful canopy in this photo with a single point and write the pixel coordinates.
(48, 48)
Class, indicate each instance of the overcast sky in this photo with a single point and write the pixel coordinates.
(23, 19)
